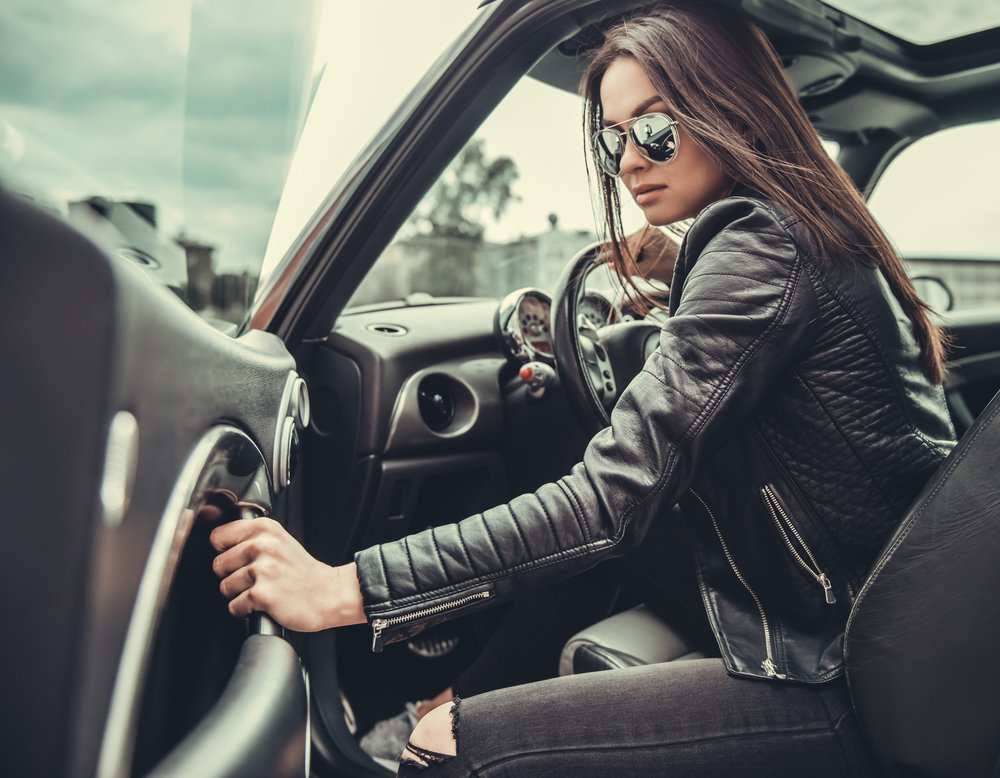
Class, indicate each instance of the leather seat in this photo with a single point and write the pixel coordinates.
(630, 638)
(923, 638)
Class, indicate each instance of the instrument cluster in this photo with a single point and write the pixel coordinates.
(524, 325)
(524, 321)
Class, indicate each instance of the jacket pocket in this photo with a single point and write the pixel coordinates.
(795, 543)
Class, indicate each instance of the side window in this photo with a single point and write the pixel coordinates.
(936, 202)
(161, 130)
(509, 212)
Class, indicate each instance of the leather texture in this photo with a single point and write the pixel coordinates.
(923, 638)
(784, 408)
(593, 658)
(633, 637)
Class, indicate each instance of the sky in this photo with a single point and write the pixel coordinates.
(193, 106)
(196, 105)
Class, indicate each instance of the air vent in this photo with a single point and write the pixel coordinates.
(436, 398)
(139, 257)
(391, 330)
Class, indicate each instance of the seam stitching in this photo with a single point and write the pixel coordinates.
(465, 549)
(579, 507)
(548, 519)
(409, 559)
(517, 526)
(385, 573)
(489, 534)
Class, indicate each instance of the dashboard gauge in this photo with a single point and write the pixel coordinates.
(533, 320)
(598, 310)
(523, 325)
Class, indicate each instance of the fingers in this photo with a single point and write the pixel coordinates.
(228, 535)
(237, 583)
(239, 556)
(243, 606)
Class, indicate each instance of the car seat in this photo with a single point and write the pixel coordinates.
(922, 647)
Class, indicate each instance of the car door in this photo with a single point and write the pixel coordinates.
(130, 428)
(130, 425)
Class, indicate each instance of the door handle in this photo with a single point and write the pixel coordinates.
(259, 623)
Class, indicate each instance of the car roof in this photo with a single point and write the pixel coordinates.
(853, 78)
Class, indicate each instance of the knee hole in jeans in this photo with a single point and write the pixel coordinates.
(416, 755)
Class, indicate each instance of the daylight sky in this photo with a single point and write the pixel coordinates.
(195, 105)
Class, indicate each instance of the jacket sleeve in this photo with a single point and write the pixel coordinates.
(743, 317)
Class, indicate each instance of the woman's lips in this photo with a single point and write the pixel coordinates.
(646, 194)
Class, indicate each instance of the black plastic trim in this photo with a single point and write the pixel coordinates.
(258, 727)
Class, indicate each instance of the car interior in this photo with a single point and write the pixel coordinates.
(421, 411)
(382, 461)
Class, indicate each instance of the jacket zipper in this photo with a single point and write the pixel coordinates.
(380, 624)
(784, 523)
(768, 666)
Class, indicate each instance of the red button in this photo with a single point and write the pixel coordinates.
(526, 373)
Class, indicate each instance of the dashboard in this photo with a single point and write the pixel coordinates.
(421, 417)
(422, 413)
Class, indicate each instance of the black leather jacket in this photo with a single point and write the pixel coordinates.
(785, 409)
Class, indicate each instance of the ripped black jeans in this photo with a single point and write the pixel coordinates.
(685, 718)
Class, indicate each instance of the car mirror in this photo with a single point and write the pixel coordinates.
(935, 292)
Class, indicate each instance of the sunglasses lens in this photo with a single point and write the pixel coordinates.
(654, 134)
(608, 149)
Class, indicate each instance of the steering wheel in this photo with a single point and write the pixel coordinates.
(594, 365)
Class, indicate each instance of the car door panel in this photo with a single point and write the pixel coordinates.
(974, 364)
(88, 339)
(257, 728)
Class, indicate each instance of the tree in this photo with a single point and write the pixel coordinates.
(452, 219)
(472, 186)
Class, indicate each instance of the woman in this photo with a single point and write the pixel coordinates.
(793, 409)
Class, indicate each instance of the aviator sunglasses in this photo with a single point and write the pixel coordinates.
(652, 133)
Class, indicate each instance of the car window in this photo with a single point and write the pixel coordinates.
(511, 209)
(161, 130)
(346, 111)
(936, 202)
(509, 212)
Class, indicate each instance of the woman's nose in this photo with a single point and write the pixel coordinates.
(632, 160)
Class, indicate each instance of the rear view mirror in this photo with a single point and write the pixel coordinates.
(935, 292)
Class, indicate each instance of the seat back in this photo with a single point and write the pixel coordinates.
(923, 641)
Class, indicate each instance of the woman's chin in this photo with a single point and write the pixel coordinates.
(660, 216)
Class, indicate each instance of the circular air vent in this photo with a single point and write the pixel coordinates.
(436, 398)
(391, 330)
(138, 257)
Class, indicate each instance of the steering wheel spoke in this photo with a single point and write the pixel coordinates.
(595, 357)
(592, 363)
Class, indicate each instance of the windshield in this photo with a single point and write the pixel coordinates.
(166, 131)
(510, 211)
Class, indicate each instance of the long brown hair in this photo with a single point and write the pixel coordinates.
(726, 85)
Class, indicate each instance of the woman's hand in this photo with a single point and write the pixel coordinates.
(265, 569)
